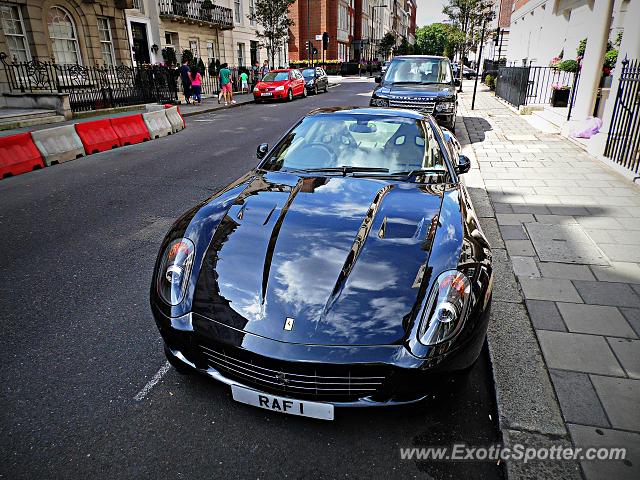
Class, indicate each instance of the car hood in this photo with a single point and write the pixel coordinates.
(272, 84)
(393, 90)
(343, 257)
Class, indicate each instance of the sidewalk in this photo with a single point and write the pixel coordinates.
(570, 228)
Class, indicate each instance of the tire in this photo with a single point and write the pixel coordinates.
(290, 95)
(326, 87)
(304, 92)
(177, 365)
(315, 89)
(257, 100)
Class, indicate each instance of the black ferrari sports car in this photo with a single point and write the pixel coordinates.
(348, 268)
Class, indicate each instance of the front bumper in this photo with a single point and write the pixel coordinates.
(237, 354)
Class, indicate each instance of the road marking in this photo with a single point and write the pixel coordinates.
(152, 383)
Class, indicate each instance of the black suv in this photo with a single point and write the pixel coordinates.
(419, 82)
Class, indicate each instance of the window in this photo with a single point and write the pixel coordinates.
(237, 9)
(210, 51)
(13, 29)
(193, 46)
(252, 11)
(255, 53)
(64, 38)
(106, 41)
(139, 5)
(168, 39)
(343, 17)
(241, 56)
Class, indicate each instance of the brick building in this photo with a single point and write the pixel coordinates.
(354, 26)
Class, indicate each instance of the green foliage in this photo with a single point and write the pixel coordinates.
(206, 5)
(200, 66)
(610, 58)
(275, 22)
(405, 48)
(468, 16)
(490, 81)
(568, 66)
(438, 39)
(582, 46)
(169, 56)
(187, 55)
(386, 44)
(213, 71)
(618, 40)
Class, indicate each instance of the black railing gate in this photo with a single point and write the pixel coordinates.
(623, 139)
(512, 85)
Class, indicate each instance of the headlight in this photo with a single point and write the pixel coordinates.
(446, 308)
(445, 106)
(175, 269)
(280, 88)
(310, 83)
(379, 102)
(256, 89)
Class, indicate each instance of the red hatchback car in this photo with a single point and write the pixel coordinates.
(278, 84)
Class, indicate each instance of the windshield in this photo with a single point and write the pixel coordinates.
(309, 73)
(381, 142)
(275, 76)
(419, 70)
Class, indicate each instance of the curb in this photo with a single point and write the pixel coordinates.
(528, 409)
(214, 108)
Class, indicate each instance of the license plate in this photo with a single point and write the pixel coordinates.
(266, 94)
(323, 411)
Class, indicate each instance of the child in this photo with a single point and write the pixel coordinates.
(196, 84)
(245, 82)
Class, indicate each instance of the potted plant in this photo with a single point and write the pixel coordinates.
(560, 95)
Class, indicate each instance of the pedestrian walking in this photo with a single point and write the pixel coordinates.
(225, 81)
(186, 81)
(264, 69)
(196, 84)
(244, 79)
(255, 74)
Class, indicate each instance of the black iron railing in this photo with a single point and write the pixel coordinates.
(512, 84)
(623, 139)
(192, 10)
(93, 87)
(542, 81)
(532, 85)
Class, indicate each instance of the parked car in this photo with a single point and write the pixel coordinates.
(280, 84)
(419, 82)
(468, 73)
(316, 80)
(347, 268)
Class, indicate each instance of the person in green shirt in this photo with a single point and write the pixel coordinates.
(244, 78)
(225, 84)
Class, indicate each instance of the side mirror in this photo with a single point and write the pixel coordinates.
(456, 82)
(262, 150)
(464, 164)
(378, 79)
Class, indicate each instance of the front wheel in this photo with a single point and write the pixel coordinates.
(326, 87)
(304, 92)
(290, 95)
(315, 90)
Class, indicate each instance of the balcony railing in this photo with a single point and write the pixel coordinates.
(191, 11)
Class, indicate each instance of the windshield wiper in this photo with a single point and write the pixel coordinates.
(409, 174)
(344, 169)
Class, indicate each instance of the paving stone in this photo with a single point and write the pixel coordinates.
(525, 267)
(564, 244)
(567, 210)
(633, 317)
(619, 397)
(514, 218)
(618, 272)
(587, 436)
(599, 222)
(628, 353)
(578, 352)
(620, 253)
(553, 289)
(502, 208)
(578, 399)
(595, 319)
(538, 209)
(565, 270)
(545, 315)
(555, 219)
(520, 247)
(513, 232)
(607, 293)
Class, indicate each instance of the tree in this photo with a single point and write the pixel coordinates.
(468, 16)
(405, 48)
(386, 44)
(273, 16)
(438, 39)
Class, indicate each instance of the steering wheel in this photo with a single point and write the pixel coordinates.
(311, 156)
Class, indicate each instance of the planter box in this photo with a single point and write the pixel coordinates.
(560, 98)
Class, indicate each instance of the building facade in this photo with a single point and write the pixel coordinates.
(223, 33)
(355, 27)
(65, 31)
